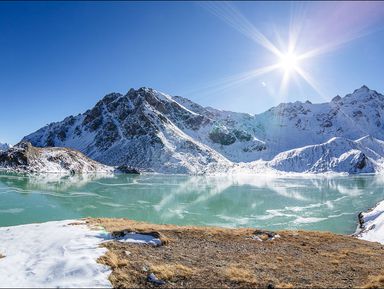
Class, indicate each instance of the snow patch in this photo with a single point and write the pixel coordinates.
(372, 224)
(133, 237)
(52, 254)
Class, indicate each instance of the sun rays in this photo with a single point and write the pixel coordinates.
(289, 62)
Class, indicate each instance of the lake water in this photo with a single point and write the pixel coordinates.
(320, 203)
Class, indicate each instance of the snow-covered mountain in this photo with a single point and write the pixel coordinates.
(298, 124)
(144, 128)
(4, 146)
(337, 155)
(153, 131)
(23, 157)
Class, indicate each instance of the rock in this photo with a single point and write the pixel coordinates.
(127, 170)
(154, 280)
(222, 137)
(261, 235)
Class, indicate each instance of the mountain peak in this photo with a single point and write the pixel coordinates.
(142, 89)
(364, 93)
(364, 88)
(336, 98)
(4, 146)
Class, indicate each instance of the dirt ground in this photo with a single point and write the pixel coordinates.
(196, 257)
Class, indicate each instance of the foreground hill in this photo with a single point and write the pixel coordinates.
(23, 157)
(197, 257)
(171, 134)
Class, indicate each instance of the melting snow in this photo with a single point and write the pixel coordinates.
(57, 254)
(133, 237)
(52, 254)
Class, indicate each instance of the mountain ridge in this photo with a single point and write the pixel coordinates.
(157, 132)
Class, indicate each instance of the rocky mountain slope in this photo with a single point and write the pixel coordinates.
(144, 129)
(171, 134)
(23, 157)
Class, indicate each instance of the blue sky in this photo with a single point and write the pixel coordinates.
(60, 58)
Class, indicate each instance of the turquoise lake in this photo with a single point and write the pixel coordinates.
(309, 203)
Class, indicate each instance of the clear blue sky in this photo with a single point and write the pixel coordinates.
(58, 59)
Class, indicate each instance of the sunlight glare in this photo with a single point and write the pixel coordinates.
(289, 62)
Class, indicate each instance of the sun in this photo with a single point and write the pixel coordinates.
(289, 62)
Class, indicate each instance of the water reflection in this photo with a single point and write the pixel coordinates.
(316, 203)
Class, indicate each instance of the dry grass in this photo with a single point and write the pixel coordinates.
(238, 274)
(285, 285)
(335, 262)
(375, 282)
(113, 260)
(172, 271)
(201, 257)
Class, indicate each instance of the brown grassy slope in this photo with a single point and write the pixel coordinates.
(218, 257)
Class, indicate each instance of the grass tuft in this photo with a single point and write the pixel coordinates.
(171, 271)
(113, 260)
(238, 274)
(375, 282)
(285, 285)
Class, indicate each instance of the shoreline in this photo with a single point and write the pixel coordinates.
(124, 253)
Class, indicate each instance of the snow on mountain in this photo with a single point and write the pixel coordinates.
(4, 146)
(143, 129)
(293, 125)
(23, 157)
(153, 131)
(371, 227)
(336, 155)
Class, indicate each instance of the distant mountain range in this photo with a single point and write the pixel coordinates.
(4, 146)
(157, 132)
